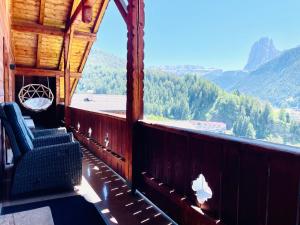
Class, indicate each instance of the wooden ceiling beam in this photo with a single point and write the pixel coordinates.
(39, 41)
(42, 11)
(85, 55)
(24, 71)
(122, 7)
(37, 28)
(85, 36)
(76, 80)
(51, 31)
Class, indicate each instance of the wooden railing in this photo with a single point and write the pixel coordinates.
(107, 137)
(253, 183)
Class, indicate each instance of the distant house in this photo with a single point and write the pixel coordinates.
(217, 127)
(117, 104)
(196, 125)
(100, 103)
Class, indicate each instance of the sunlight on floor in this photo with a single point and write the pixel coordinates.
(87, 192)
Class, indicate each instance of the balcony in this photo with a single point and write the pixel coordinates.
(133, 171)
(247, 178)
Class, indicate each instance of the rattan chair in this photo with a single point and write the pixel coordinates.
(38, 138)
(40, 167)
(33, 133)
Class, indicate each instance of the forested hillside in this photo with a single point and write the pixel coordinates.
(190, 97)
(275, 76)
(276, 81)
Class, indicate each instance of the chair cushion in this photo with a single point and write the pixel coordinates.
(19, 113)
(8, 129)
(16, 122)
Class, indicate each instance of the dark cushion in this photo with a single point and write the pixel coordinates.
(19, 113)
(8, 129)
(18, 126)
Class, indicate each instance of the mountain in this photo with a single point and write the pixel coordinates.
(103, 60)
(227, 80)
(277, 80)
(261, 52)
(186, 69)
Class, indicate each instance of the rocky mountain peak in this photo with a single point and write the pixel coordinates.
(261, 52)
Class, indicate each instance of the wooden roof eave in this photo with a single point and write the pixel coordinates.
(43, 30)
(39, 40)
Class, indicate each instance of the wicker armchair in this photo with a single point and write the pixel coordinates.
(37, 137)
(34, 133)
(47, 168)
(41, 167)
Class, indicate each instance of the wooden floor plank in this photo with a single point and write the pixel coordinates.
(118, 204)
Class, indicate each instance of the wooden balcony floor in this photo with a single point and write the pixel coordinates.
(118, 205)
(114, 198)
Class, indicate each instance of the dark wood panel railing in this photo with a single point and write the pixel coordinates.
(107, 138)
(253, 183)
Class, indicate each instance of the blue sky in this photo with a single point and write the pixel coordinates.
(210, 33)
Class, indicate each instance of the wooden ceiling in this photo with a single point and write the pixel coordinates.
(38, 32)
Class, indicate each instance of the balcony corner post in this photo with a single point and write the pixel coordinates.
(135, 79)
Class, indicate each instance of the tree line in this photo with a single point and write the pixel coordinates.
(191, 97)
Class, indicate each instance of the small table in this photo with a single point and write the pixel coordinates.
(40, 216)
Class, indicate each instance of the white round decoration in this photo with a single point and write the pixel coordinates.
(36, 97)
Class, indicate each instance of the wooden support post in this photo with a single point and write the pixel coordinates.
(57, 85)
(67, 77)
(67, 69)
(12, 85)
(135, 75)
(57, 100)
(6, 72)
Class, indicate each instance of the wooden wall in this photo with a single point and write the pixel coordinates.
(2, 65)
(6, 54)
(6, 75)
(252, 182)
